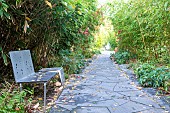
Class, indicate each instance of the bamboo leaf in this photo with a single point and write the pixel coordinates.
(1, 13)
(48, 3)
(5, 59)
(27, 18)
(26, 26)
(0, 48)
(7, 15)
(166, 5)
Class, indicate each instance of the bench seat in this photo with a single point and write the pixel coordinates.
(24, 71)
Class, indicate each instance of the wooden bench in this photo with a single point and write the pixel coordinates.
(24, 71)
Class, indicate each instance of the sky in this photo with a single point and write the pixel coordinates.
(102, 2)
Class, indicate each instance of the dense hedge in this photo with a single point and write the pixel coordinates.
(58, 32)
(143, 28)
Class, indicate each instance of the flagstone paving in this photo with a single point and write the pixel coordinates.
(105, 87)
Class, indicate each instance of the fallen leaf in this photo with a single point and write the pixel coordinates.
(36, 106)
(58, 84)
(139, 88)
(50, 104)
(17, 109)
(132, 83)
(34, 101)
(40, 99)
(39, 108)
(63, 100)
(113, 108)
(57, 77)
(61, 88)
(48, 3)
(71, 101)
(163, 107)
(26, 26)
(27, 18)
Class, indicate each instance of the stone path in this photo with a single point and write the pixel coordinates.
(104, 88)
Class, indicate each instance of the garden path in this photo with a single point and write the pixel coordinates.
(105, 87)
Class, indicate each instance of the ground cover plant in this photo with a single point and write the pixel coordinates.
(121, 57)
(152, 76)
(13, 101)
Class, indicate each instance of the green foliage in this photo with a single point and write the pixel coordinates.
(152, 76)
(144, 69)
(66, 76)
(3, 9)
(143, 28)
(73, 62)
(112, 41)
(58, 32)
(3, 56)
(121, 57)
(11, 100)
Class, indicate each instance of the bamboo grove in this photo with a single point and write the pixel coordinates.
(58, 32)
(143, 28)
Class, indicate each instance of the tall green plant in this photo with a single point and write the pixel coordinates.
(143, 28)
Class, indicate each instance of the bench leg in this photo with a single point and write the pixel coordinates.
(20, 85)
(45, 97)
(20, 88)
(62, 77)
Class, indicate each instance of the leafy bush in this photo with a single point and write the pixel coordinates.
(112, 41)
(144, 69)
(71, 61)
(121, 57)
(12, 100)
(48, 29)
(151, 76)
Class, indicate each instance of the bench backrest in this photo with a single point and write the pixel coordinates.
(21, 63)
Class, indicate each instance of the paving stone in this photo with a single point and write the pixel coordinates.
(102, 102)
(91, 110)
(59, 109)
(135, 93)
(132, 107)
(145, 101)
(124, 86)
(117, 79)
(121, 101)
(105, 87)
(153, 111)
(114, 109)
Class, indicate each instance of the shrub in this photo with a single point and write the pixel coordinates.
(12, 100)
(121, 57)
(47, 28)
(151, 76)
